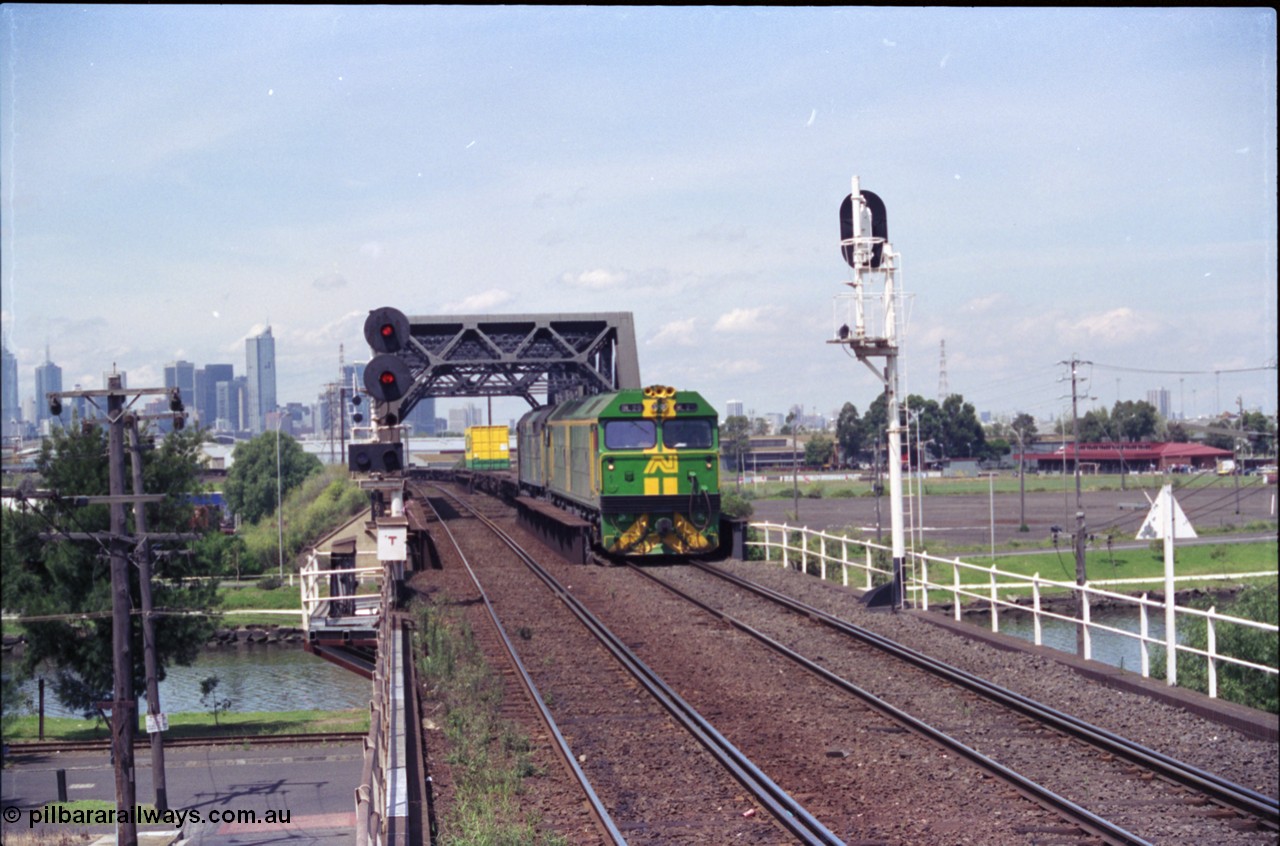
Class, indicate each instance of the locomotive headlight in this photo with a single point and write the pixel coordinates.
(609, 465)
(709, 462)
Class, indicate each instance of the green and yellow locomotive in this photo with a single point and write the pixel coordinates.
(640, 465)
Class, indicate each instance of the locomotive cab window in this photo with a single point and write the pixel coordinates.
(630, 434)
(687, 434)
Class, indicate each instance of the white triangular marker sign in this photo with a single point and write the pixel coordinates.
(1153, 526)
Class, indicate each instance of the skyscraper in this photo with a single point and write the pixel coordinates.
(182, 375)
(260, 369)
(48, 379)
(206, 398)
(10, 407)
(1159, 399)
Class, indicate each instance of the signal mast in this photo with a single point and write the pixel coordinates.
(864, 242)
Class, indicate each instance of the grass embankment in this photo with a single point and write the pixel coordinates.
(487, 756)
(193, 724)
(1100, 565)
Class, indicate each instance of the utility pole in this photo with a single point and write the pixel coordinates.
(156, 721)
(123, 720)
(1081, 574)
(118, 543)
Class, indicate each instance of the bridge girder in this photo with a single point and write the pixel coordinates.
(552, 356)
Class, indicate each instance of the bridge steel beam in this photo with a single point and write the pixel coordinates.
(553, 356)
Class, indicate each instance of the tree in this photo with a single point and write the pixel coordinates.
(849, 433)
(1025, 425)
(818, 451)
(962, 434)
(735, 439)
(1095, 427)
(251, 490)
(1260, 431)
(1134, 420)
(54, 579)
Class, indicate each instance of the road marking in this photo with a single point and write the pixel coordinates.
(84, 786)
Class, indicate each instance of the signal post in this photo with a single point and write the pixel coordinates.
(864, 242)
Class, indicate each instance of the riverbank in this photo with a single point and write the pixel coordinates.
(199, 725)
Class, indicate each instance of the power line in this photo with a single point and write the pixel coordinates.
(1185, 372)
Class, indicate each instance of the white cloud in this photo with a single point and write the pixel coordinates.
(741, 366)
(680, 333)
(478, 303)
(740, 320)
(1118, 324)
(329, 282)
(598, 279)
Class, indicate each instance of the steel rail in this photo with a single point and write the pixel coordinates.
(1221, 790)
(1089, 822)
(785, 809)
(601, 814)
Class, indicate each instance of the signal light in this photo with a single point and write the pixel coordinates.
(175, 400)
(375, 458)
(55, 406)
(386, 329)
(387, 378)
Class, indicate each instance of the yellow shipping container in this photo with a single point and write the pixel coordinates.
(488, 448)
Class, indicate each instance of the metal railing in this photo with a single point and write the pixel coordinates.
(834, 557)
(381, 797)
(315, 587)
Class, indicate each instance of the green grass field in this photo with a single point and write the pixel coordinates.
(196, 724)
(1005, 482)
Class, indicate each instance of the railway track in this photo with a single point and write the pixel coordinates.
(516, 671)
(788, 814)
(868, 782)
(1241, 815)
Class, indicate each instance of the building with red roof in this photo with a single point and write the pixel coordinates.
(1128, 457)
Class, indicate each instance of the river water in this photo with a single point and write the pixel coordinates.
(261, 677)
(1107, 648)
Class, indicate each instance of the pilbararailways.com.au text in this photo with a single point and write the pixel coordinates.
(139, 815)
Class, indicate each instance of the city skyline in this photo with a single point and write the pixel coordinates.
(1060, 183)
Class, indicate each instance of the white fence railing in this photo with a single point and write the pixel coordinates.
(315, 588)
(835, 558)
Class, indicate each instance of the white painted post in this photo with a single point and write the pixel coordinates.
(955, 590)
(1213, 654)
(844, 561)
(1170, 613)
(1035, 606)
(822, 546)
(995, 609)
(1143, 631)
(868, 549)
(786, 539)
(1084, 621)
(924, 583)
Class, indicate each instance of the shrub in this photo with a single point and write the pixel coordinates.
(735, 506)
(1253, 688)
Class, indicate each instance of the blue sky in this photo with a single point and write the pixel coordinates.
(1094, 182)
